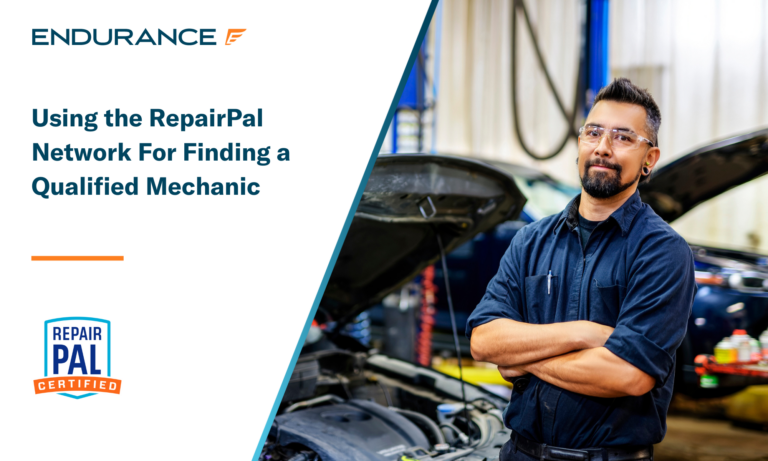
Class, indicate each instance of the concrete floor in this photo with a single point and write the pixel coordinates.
(696, 439)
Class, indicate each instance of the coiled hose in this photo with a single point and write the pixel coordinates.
(569, 117)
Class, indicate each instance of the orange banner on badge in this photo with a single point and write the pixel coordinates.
(77, 384)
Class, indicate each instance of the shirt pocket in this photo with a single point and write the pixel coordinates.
(541, 298)
(606, 302)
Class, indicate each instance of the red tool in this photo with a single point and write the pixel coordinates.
(706, 365)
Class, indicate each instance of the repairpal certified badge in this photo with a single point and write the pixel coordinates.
(78, 361)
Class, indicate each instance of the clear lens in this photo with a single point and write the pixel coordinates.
(619, 139)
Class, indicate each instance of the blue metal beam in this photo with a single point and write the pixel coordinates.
(597, 49)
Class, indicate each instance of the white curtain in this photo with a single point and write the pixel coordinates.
(705, 62)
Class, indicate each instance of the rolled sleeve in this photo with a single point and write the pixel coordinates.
(642, 352)
(503, 295)
(654, 314)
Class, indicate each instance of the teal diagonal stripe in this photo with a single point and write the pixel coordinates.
(350, 215)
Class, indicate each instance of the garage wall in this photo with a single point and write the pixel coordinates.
(705, 61)
(474, 114)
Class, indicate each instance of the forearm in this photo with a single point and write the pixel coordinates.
(595, 372)
(506, 342)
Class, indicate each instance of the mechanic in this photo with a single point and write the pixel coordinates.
(589, 305)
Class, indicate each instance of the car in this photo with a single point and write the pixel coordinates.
(732, 285)
(347, 402)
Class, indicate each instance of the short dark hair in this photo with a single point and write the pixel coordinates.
(623, 90)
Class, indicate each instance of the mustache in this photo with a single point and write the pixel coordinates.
(603, 163)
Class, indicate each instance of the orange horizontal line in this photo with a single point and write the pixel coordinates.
(77, 258)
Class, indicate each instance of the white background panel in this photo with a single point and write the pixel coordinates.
(209, 303)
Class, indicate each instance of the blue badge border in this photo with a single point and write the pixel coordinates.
(109, 348)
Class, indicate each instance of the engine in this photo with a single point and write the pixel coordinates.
(342, 406)
(355, 430)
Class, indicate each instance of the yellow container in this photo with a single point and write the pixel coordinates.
(726, 352)
(474, 375)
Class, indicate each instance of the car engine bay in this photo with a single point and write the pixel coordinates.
(358, 406)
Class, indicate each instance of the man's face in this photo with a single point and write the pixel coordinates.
(604, 169)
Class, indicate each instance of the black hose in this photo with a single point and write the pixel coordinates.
(570, 118)
(457, 431)
(455, 332)
(423, 422)
(386, 393)
(344, 386)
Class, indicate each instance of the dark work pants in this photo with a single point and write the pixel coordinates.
(508, 453)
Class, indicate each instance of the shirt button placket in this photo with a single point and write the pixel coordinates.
(575, 288)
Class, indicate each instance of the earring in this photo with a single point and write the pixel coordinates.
(647, 163)
(646, 171)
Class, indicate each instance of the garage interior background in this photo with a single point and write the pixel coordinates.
(705, 62)
(384, 342)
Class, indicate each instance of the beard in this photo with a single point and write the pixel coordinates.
(604, 184)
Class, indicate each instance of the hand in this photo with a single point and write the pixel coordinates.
(509, 373)
(595, 334)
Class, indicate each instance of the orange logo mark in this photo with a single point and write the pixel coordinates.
(232, 35)
(77, 383)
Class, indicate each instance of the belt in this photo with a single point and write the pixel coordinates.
(542, 451)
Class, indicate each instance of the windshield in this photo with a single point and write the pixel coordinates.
(545, 196)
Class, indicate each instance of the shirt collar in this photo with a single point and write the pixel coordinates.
(623, 216)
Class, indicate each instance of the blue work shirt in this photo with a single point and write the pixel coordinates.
(637, 276)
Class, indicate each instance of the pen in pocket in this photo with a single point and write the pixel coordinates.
(549, 282)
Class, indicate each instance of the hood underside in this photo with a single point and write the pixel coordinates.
(705, 173)
(408, 201)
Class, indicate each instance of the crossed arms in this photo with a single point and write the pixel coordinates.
(569, 355)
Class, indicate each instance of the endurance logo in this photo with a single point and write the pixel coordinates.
(78, 360)
(232, 35)
(130, 37)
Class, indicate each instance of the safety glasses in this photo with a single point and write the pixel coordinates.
(620, 139)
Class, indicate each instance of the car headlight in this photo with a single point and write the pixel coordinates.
(745, 282)
(749, 282)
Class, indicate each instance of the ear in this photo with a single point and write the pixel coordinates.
(652, 157)
(578, 144)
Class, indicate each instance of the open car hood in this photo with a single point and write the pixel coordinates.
(705, 173)
(408, 201)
